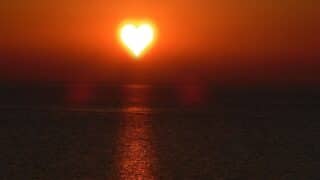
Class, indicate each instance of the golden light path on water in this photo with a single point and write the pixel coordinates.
(135, 152)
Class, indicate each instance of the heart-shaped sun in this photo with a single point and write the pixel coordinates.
(137, 37)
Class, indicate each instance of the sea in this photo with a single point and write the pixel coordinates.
(148, 131)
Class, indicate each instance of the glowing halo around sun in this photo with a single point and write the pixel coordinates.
(137, 37)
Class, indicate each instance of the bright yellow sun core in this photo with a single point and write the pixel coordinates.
(137, 37)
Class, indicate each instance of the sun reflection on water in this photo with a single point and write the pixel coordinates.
(136, 154)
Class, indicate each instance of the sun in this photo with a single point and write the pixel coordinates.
(137, 37)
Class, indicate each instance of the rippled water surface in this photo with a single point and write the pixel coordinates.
(147, 132)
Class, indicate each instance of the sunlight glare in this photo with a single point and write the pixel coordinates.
(137, 38)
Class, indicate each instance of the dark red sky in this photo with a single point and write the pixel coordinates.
(232, 39)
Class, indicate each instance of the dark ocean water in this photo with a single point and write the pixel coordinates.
(158, 132)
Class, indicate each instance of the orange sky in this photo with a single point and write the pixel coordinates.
(203, 28)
